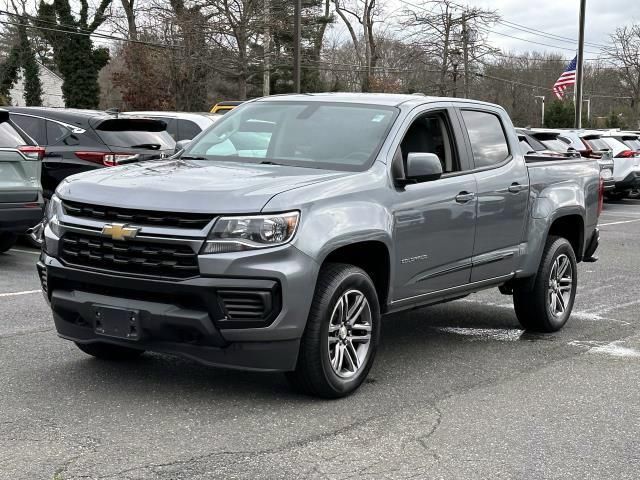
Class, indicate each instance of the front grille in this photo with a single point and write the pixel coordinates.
(135, 257)
(139, 217)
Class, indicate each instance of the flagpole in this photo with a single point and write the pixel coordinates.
(580, 69)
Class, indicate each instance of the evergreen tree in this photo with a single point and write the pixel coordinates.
(560, 115)
(21, 56)
(77, 60)
(32, 84)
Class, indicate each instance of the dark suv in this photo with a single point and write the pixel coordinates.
(79, 140)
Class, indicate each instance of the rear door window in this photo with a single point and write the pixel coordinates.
(33, 126)
(487, 137)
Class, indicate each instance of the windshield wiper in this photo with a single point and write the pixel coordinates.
(189, 157)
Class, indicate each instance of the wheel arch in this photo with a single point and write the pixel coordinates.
(372, 256)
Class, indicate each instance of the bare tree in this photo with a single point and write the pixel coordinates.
(366, 13)
(626, 51)
(454, 37)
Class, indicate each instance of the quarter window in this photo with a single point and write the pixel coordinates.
(188, 130)
(488, 140)
(33, 126)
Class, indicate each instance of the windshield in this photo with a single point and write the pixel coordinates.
(333, 136)
(141, 133)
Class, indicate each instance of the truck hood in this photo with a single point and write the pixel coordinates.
(189, 185)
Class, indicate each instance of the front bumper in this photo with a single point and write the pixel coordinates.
(18, 217)
(186, 317)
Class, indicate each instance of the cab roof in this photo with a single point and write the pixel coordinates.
(382, 99)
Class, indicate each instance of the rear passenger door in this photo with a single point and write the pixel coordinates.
(503, 189)
(434, 221)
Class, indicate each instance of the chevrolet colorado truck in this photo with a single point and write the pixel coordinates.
(277, 238)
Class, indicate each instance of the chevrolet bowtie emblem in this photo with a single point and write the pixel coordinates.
(119, 231)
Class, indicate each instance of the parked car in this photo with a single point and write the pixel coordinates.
(180, 125)
(21, 200)
(544, 143)
(77, 141)
(589, 145)
(626, 171)
(631, 140)
(282, 255)
(225, 107)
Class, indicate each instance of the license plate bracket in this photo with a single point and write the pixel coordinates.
(117, 322)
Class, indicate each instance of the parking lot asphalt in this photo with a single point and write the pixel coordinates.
(458, 391)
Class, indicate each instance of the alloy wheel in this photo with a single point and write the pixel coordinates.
(560, 285)
(349, 333)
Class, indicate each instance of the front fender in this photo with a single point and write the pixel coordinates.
(329, 227)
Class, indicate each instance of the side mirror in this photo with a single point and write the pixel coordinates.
(181, 145)
(422, 167)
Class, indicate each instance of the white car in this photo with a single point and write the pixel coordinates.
(182, 125)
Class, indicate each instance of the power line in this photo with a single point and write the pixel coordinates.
(98, 35)
(552, 36)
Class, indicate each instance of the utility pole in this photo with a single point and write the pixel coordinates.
(541, 97)
(465, 54)
(296, 44)
(580, 69)
(266, 81)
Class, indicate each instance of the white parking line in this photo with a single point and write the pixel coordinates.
(619, 223)
(15, 294)
(32, 252)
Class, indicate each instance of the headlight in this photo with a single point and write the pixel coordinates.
(236, 234)
(51, 215)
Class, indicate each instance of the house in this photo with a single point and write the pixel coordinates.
(51, 89)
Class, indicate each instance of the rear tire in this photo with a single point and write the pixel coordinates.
(339, 343)
(547, 306)
(107, 351)
(7, 240)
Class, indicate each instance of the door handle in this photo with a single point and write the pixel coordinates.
(465, 197)
(516, 187)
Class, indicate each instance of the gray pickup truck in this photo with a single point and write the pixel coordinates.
(278, 237)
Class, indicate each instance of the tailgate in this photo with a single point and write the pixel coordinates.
(19, 177)
(144, 136)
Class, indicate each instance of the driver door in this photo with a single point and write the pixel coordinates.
(434, 221)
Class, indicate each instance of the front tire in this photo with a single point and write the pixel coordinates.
(107, 351)
(547, 306)
(339, 344)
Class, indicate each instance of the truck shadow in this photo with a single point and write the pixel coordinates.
(422, 345)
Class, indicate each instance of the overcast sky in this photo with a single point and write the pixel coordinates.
(558, 17)
(561, 18)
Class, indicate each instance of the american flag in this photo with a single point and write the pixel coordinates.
(567, 78)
